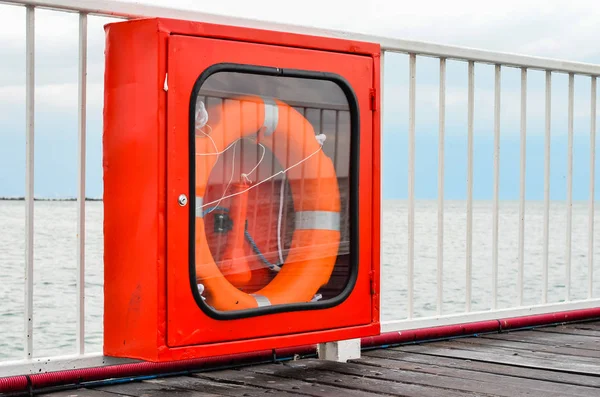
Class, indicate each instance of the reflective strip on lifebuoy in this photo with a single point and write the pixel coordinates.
(314, 187)
(271, 116)
(261, 300)
(318, 220)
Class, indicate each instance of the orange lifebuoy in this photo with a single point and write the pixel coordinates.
(315, 191)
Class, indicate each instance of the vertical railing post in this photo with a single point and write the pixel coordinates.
(440, 202)
(469, 237)
(569, 190)
(546, 187)
(497, 96)
(592, 184)
(80, 339)
(522, 186)
(29, 176)
(411, 181)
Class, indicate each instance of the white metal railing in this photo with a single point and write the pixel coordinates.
(31, 364)
(500, 61)
(29, 98)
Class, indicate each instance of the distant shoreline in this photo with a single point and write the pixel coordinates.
(47, 199)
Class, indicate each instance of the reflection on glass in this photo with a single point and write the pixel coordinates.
(272, 178)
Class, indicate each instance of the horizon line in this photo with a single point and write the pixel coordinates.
(516, 200)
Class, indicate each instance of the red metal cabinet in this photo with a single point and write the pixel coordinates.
(160, 75)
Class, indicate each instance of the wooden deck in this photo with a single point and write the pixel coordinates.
(550, 361)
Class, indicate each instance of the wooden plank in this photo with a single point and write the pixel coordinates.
(588, 326)
(527, 346)
(278, 384)
(362, 378)
(554, 339)
(509, 383)
(81, 392)
(555, 334)
(540, 361)
(485, 367)
(533, 353)
(225, 389)
(570, 331)
(175, 386)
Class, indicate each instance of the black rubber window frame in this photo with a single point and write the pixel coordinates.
(354, 178)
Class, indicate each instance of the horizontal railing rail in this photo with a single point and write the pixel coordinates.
(132, 10)
(413, 49)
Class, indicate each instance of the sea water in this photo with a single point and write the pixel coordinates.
(55, 248)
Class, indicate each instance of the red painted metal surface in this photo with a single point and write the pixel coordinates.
(150, 312)
(75, 377)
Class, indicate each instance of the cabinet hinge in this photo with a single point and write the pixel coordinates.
(373, 99)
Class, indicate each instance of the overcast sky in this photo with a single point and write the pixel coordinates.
(565, 30)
